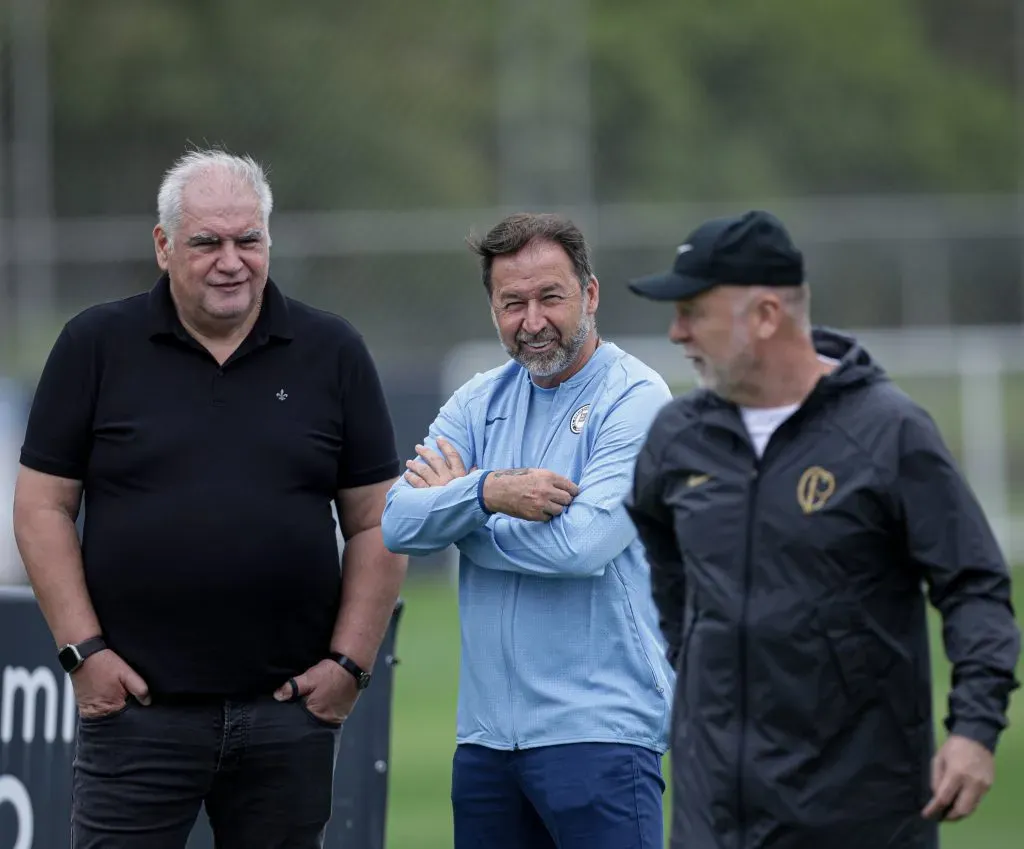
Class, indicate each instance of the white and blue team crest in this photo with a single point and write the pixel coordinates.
(579, 418)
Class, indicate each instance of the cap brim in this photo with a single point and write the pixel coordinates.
(669, 287)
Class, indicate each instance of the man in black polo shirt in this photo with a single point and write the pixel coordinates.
(214, 644)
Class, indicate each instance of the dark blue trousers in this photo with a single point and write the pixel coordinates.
(577, 796)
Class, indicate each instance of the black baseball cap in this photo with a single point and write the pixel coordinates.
(752, 249)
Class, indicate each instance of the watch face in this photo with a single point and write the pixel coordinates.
(69, 658)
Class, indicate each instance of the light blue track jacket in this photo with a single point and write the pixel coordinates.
(560, 638)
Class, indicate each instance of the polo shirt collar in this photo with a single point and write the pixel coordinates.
(274, 320)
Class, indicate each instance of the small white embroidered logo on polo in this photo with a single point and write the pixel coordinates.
(282, 395)
(579, 418)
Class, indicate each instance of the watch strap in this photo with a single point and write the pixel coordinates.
(73, 655)
(354, 669)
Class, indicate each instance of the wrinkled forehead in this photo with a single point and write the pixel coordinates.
(219, 195)
(539, 269)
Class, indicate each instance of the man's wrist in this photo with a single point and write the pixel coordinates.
(981, 731)
(362, 675)
(480, 492)
(72, 656)
(81, 630)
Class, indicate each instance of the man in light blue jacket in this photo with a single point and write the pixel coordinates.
(565, 691)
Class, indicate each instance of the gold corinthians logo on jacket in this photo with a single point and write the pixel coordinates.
(815, 488)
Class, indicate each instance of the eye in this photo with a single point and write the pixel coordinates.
(552, 299)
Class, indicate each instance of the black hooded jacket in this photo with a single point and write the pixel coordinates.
(792, 594)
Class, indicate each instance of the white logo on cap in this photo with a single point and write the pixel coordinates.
(682, 249)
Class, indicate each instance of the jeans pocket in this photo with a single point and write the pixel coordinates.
(106, 717)
(323, 723)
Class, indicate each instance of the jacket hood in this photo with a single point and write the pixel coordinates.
(856, 368)
(856, 365)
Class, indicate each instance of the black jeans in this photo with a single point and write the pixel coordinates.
(265, 770)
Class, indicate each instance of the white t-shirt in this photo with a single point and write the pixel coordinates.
(762, 422)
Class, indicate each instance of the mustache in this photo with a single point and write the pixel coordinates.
(544, 336)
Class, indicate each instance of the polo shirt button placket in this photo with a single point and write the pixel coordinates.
(218, 388)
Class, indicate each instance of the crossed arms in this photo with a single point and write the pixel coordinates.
(531, 521)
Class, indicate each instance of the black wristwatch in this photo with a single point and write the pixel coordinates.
(73, 655)
(345, 662)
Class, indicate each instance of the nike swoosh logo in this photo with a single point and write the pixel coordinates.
(697, 480)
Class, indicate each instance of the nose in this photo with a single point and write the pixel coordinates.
(229, 260)
(679, 330)
(534, 321)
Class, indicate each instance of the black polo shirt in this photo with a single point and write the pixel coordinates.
(209, 545)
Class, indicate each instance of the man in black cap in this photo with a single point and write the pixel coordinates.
(793, 509)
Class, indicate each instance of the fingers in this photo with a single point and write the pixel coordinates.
(133, 683)
(426, 475)
(961, 774)
(555, 506)
(565, 484)
(436, 462)
(294, 688)
(560, 496)
(943, 797)
(966, 801)
(451, 457)
(424, 470)
(938, 769)
(413, 476)
(432, 467)
(956, 798)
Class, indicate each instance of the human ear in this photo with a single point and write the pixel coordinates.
(769, 314)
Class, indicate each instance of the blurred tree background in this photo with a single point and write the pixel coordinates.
(886, 133)
(393, 129)
(395, 104)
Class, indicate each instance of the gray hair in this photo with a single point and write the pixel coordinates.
(794, 300)
(196, 162)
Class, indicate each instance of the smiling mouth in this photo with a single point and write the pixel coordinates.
(539, 346)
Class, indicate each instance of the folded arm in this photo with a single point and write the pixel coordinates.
(421, 521)
(595, 528)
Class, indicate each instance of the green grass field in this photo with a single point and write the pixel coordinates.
(419, 815)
